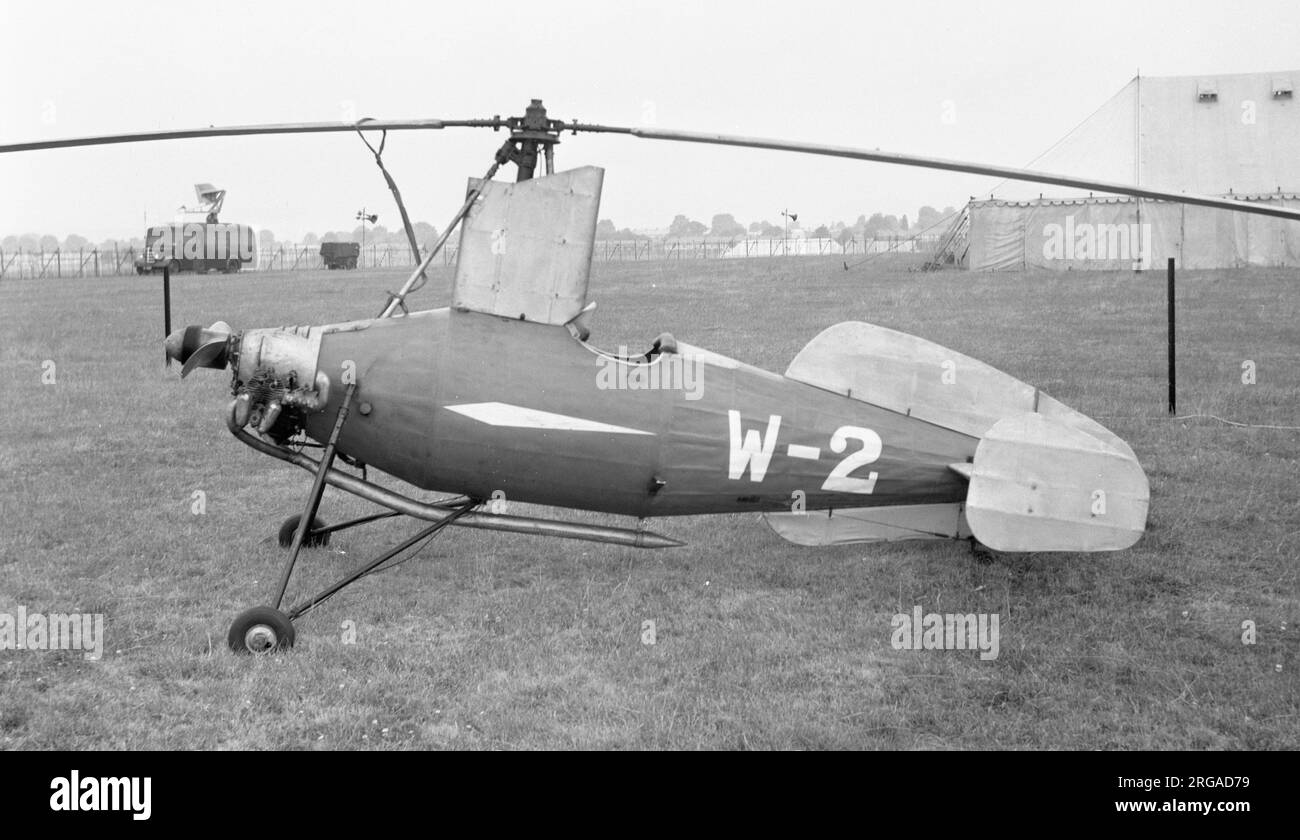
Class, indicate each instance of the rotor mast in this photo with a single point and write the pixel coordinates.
(530, 134)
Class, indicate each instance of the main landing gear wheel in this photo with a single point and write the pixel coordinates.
(310, 540)
(261, 630)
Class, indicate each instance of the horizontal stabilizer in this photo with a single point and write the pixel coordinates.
(916, 377)
(1040, 484)
(873, 524)
(911, 376)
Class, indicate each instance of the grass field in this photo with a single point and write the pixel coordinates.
(495, 641)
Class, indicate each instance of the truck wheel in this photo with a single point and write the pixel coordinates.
(174, 266)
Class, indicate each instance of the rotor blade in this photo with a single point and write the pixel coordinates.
(243, 130)
(1012, 173)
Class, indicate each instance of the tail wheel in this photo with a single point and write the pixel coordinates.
(261, 630)
(311, 540)
(981, 552)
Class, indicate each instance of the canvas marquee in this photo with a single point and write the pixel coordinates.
(1236, 136)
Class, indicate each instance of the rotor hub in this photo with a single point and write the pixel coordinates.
(529, 134)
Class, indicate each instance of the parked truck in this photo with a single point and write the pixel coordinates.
(200, 244)
(340, 254)
(197, 246)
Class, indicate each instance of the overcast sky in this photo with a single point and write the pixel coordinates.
(989, 82)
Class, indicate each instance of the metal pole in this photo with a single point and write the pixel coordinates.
(167, 305)
(1173, 403)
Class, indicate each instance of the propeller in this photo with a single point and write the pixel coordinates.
(197, 346)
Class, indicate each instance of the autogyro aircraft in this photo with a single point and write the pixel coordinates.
(870, 435)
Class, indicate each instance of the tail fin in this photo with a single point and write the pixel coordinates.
(1044, 477)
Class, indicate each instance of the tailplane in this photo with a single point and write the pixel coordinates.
(1043, 478)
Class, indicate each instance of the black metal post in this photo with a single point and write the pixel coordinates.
(1173, 402)
(167, 306)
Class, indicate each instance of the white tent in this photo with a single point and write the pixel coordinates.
(1235, 136)
(1122, 233)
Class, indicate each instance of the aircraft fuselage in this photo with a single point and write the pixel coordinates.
(496, 408)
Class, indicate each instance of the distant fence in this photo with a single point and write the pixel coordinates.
(99, 262)
(84, 262)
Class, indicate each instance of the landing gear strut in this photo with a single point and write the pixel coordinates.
(262, 630)
(319, 535)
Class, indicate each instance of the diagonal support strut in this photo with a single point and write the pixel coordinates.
(314, 496)
(370, 565)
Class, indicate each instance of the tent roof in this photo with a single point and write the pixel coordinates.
(1055, 201)
(1212, 135)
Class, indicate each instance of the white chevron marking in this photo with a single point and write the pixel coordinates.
(518, 417)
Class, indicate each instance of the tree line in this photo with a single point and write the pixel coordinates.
(425, 234)
(725, 226)
(722, 226)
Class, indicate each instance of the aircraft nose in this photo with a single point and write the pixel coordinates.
(197, 346)
(173, 344)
